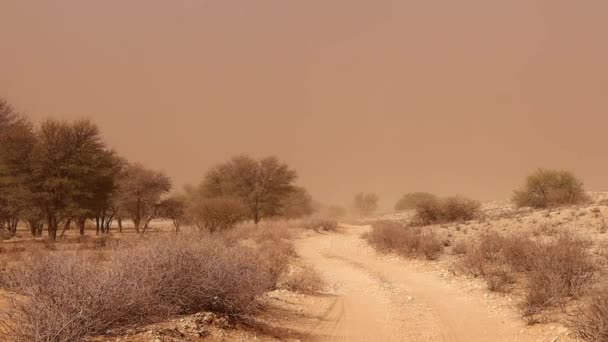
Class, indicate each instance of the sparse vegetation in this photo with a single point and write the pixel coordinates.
(65, 297)
(550, 188)
(554, 270)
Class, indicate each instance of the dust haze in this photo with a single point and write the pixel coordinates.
(379, 96)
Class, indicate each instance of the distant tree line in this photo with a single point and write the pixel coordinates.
(57, 174)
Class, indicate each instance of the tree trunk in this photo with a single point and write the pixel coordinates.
(119, 220)
(52, 229)
(108, 224)
(147, 224)
(13, 223)
(136, 225)
(67, 226)
(81, 225)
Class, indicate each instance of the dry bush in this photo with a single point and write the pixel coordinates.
(499, 279)
(550, 188)
(317, 224)
(57, 296)
(460, 247)
(216, 214)
(554, 270)
(387, 236)
(429, 211)
(450, 209)
(304, 279)
(459, 208)
(560, 269)
(590, 322)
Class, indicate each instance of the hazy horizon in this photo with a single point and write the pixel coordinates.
(380, 96)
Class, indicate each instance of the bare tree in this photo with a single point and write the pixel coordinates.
(140, 192)
(261, 185)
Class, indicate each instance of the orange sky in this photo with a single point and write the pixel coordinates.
(388, 96)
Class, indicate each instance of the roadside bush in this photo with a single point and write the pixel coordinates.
(411, 200)
(560, 270)
(450, 209)
(554, 270)
(590, 322)
(318, 224)
(550, 188)
(58, 296)
(216, 214)
(387, 236)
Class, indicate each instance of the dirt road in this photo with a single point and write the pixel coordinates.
(378, 298)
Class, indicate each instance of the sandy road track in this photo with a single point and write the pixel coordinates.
(382, 299)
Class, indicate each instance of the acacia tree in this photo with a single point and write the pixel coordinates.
(17, 141)
(104, 184)
(140, 192)
(261, 185)
(65, 160)
(365, 204)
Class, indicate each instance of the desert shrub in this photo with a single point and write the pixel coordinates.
(216, 214)
(559, 270)
(460, 247)
(554, 270)
(430, 245)
(550, 188)
(459, 208)
(450, 209)
(499, 279)
(411, 200)
(304, 279)
(429, 211)
(274, 259)
(482, 255)
(590, 322)
(317, 224)
(57, 296)
(387, 236)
